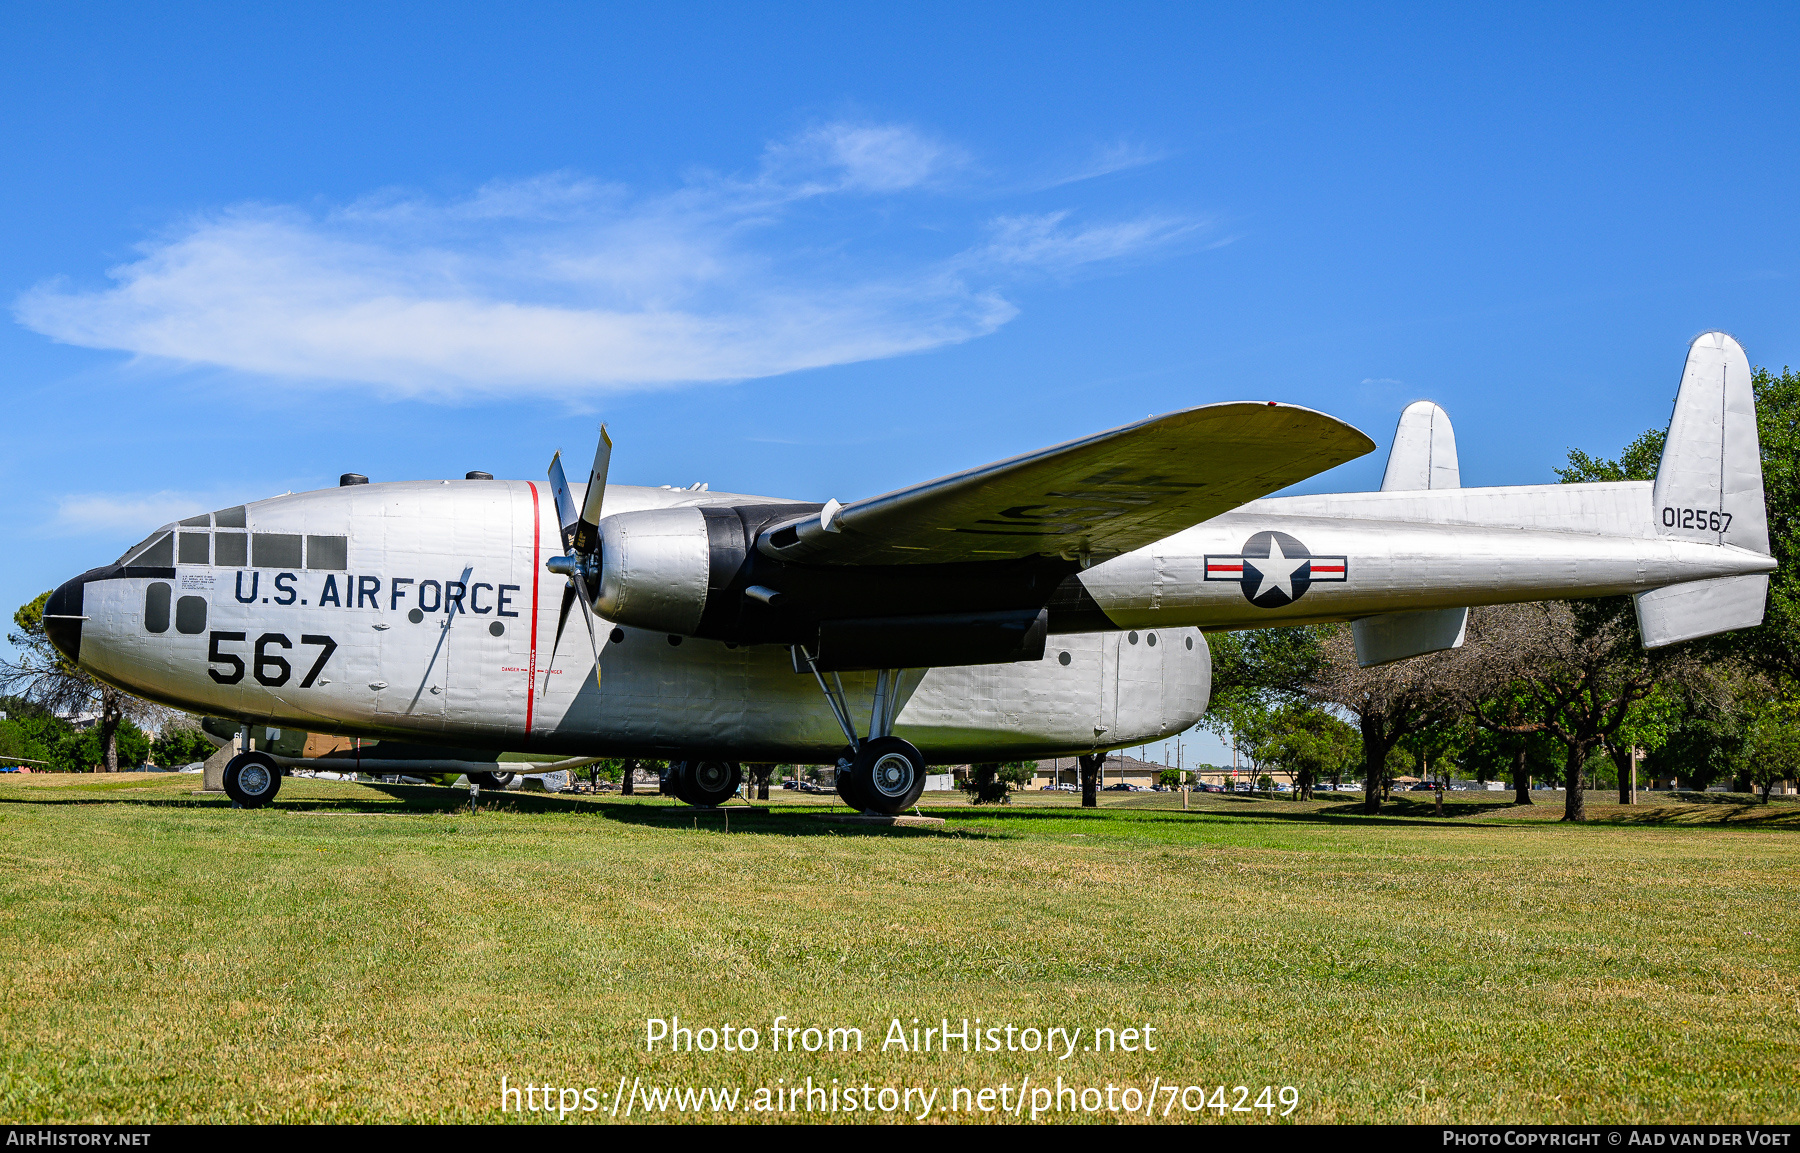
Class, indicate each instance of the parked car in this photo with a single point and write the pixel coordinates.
(1203, 787)
(1423, 787)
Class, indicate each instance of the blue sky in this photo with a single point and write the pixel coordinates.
(817, 251)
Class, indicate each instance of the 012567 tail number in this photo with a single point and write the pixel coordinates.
(269, 668)
(1696, 518)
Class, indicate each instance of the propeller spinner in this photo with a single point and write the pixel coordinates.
(581, 539)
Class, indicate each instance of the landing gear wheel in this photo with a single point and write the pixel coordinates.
(706, 784)
(252, 779)
(491, 780)
(847, 787)
(888, 776)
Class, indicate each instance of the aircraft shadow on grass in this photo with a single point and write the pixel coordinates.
(417, 800)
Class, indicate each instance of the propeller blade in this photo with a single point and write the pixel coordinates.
(566, 516)
(587, 529)
(587, 617)
(562, 620)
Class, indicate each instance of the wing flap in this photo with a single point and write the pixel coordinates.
(1092, 498)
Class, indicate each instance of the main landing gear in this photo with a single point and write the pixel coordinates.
(880, 773)
(491, 780)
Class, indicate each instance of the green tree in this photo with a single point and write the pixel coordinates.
(984, 785)
(1389, 701)
(1548, 671)
(17, 744)
(1255, 673)
(1488, 755)
(1309, 743)
(1647, 726)
(1774, 742)
(180, 742)
(1017, 773)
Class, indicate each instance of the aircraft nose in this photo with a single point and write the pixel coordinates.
(63, 617)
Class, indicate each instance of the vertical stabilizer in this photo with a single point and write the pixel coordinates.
(1709, 484)
(1709, 489)
(1424, 452)
(1423, 457)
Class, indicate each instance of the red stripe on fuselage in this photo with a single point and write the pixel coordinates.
(536, 564)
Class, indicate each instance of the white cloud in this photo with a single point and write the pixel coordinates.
(559, 285)
(1116, 157)
(860, 157)
(131, 514)
(1043, 240)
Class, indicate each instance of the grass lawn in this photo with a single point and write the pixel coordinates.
(378, 953)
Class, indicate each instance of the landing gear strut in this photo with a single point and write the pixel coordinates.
(491, 780)
(880, 773)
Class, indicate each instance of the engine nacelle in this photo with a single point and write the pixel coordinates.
(655, 566)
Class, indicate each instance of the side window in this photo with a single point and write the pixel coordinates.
(274, 550)
(232, 550)
(327, 552)
(156, 607)
(190, 615)
(192, 548)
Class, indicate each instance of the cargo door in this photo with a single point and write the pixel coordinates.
(1107, 721)
(415, 657)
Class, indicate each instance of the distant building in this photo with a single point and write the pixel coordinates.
(1117, 769)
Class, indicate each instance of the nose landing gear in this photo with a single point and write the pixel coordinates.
(252, 779)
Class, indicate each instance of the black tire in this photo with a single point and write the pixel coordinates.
(705, 784)
(491, 780)
(844, 781)
(888, 776)
(252, 779)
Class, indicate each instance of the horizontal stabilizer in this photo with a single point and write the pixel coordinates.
(1396, 636)
(1701, 608)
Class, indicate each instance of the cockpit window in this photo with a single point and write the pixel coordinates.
(156, 552)
(231, 518)
(204, 520)
(231, 550)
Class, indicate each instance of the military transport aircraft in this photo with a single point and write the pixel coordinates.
(1052, 604)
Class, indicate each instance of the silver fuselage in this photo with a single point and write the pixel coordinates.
(438, 625)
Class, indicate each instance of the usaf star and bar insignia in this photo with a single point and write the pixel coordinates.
(1275, 569)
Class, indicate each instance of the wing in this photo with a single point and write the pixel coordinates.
(1092, 498)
